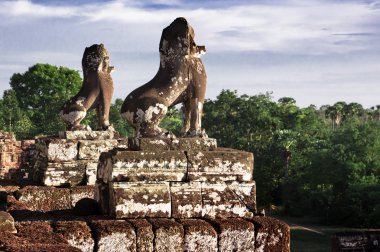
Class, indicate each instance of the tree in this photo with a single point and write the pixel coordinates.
(12, 118)
(286, 100)
(336, 113)
(41, 91)
(353, 109)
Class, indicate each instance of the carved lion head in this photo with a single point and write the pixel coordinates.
(96, 58)
(178, 39)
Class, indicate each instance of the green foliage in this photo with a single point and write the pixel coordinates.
(118, 123)
(172, 121)
(12, 118)
(40, 92)
(301, 162)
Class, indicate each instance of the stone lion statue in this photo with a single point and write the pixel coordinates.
(181, 78)
(96, 91)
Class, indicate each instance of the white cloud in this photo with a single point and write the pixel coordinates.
(286, 27)
(29, 9)
(327, 33)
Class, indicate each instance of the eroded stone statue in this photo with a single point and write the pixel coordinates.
(96, 91)
(181, 78)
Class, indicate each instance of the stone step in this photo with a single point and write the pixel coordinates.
(171, 165)
(162, 234)
(176, 199)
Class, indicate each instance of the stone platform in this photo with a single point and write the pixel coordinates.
(180, 178)
(72, 158)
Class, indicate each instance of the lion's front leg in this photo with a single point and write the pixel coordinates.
(196, 110)
(103, 116)
(104, 106)
(186, 118)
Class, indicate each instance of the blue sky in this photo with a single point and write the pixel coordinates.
(317, 51)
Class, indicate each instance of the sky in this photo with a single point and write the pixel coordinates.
(316, 51)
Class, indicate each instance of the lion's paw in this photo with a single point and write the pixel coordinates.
(201, 133)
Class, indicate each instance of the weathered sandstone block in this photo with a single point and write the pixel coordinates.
(186, 199)
(221, 200)
(64, 173)
(114, 235)
(88, 135)
(39, 198)
(199, 236)
(235, 234)
(272, 235)
(184, 144)
(136, 200)
(220, 165)
(144, 235)
(168, 235)
(57, 150)
(91, 149)
(76, 233)
(124, 166)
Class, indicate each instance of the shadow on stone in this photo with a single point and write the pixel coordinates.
(85, 207)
